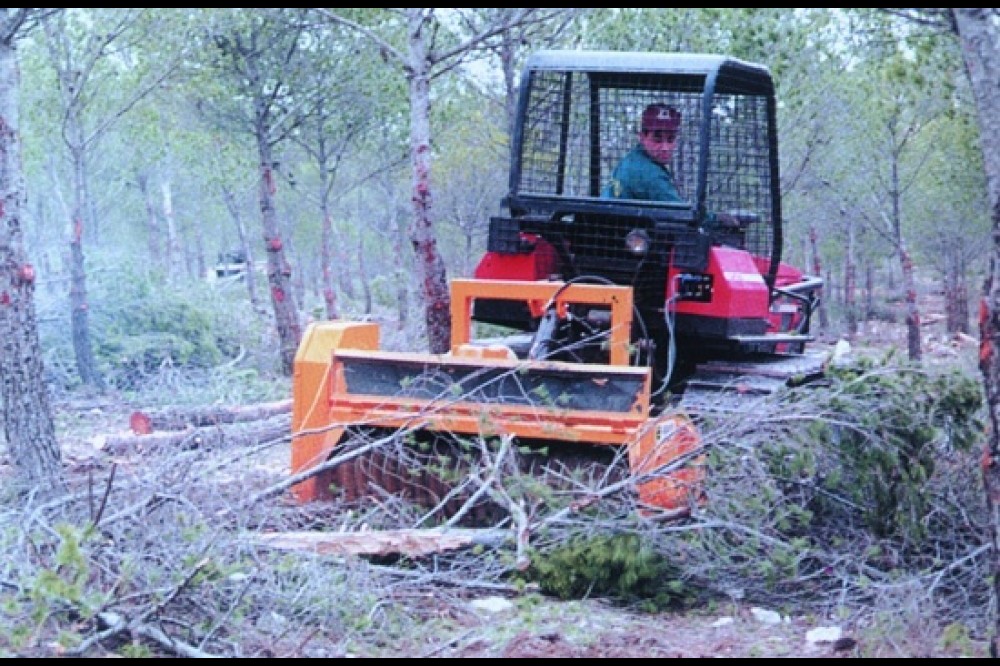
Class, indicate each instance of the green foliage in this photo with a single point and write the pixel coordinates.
(64, 582)
(140, 325)
(135, 651)
(148, 326)
(956, 636)
(886, 430)
(618, 566)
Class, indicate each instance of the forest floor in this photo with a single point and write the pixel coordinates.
(531, 625)
(528, 624)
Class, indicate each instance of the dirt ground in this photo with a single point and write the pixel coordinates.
(537, 627)
(530, 625)
(592, 629)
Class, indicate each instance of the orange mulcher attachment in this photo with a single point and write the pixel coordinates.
(343, 384)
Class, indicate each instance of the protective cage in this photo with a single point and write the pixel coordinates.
(580, 114)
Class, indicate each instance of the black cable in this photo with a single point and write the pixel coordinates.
(600, 280)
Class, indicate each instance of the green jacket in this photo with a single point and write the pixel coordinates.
(638, 176)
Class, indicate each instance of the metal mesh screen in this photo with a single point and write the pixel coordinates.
(579, 124)
(739, 175)
(609, 115)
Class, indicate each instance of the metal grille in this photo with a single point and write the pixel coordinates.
(579, 124)
(613, 113)
(739, 175)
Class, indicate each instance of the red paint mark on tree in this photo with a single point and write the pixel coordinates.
(279, 295)
(77, 230)
(5, 298)
(985, 347)
(274, 245)
(269, 181)
(27, 274)
(140, 423)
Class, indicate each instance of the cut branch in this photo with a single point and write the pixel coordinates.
(179, 418)
(390, 542)
(233, 435)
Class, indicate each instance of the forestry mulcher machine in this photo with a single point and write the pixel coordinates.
(592, 326)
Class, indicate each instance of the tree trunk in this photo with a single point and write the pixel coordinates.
(297, 278)
(153, 248)
(279, 272)
(83, 350)
(173, 244)
(961, 306)
(326, 259)
(342, 250)
(869, 290)
(326, 248)
(366, 290)
(412, 542)
(402, 280)
(179, 418)
(433, 277)
(977, 32)
(913, 346)
(913, 343)
(956, 301)
(234, 211)
(27, 415)
(817, 270)
(850, 285)
(204, 438)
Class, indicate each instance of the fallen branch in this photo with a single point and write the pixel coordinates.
(329, 463)
(116, 624)
(388, 542)
(930, 319)
(233, 435)
(181, 418)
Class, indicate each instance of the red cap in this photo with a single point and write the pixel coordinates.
(660, 117)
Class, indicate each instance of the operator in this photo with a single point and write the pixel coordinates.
(644, 173)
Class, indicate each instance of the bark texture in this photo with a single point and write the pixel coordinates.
(27, 415)
(978, 29)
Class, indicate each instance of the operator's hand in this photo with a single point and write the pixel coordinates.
(728, 221)
(736, 219)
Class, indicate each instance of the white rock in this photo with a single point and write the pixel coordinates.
(492, 604)
(840, 352)
(722, 622)
(824, 634)
(765, 616)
